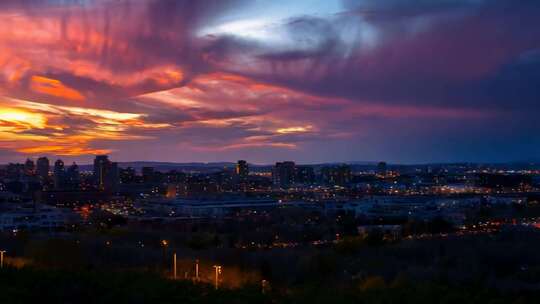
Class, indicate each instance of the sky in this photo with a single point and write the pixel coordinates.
(404, 81)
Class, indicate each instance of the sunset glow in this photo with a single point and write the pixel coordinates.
(337, 79)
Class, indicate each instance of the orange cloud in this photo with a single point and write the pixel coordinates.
(290, 130)
(77, 47)
(32, 128)
(62, 150)
(53, 87)
(13, 119)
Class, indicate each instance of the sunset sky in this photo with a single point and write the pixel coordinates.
(306, 80)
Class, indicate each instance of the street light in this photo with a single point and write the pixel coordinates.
(2, 258)
(164, 244)
(218, 272)
(197, 270)
(174, 265)
(264, 286)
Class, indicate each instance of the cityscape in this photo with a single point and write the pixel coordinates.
(183, 221)
(232, 151)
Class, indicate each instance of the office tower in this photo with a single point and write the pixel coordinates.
(148, 174)
(29, 167)
(113, 177)
(101, 163)
(127, 175)
(338, 175)
(382, 169)
(14, 171)
(283, 174)
(43, 167)
(240, 176)
(73, 177)
(242, 169)
(105, 173)
(59, 174)
(305, 175)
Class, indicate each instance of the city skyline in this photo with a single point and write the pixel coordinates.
(88, 161)
(268, 81)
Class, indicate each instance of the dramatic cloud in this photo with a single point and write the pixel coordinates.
(32, 128)
(212, 80)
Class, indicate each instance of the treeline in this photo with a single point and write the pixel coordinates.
(28, 285)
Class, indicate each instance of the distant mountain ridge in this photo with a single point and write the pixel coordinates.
(217, 166)
(168, 166)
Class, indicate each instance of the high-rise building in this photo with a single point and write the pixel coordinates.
(113, 177)
(127, 175)
(59, 174)
(15, 171)
(240, 176)
(148, 174)
(283, 174)
(101, 163)
(382, 169)
(337, 175)
(43, 167)
(29, 167)
(105, 173)
(305, 175)
(242, 169)
(73, 177)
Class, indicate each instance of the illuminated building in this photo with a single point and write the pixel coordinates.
(305, 175)
(127, 175)
(242, 169)
(73, 176)
(339, 175)
(241, 175)
(105, 173)
(101, 162)
(59, 174)
(283, 174)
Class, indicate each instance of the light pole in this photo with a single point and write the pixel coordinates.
(164, 244)
(264, 284)
(2, 258)
(174, 265)
(218, 272)
(197, 270)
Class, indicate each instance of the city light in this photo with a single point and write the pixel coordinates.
(218, 271)
(2, 252)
